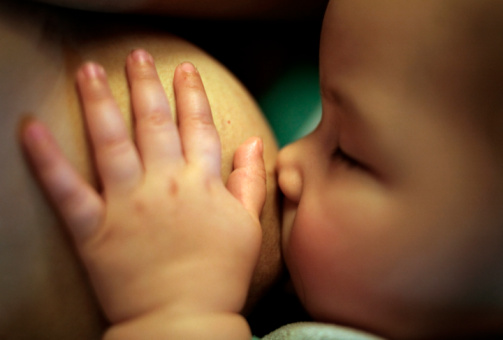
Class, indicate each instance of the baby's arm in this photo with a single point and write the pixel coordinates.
(169, 249)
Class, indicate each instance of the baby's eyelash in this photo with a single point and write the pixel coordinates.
(352, 163)
(343, 156)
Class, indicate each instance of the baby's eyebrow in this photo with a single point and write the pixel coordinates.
(331, 93)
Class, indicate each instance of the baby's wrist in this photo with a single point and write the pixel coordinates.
(163, 324)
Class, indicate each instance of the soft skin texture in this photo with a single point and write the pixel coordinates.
(165, 238)
(46, 290)
(393, 219)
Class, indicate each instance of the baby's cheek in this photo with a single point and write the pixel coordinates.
(310, 259)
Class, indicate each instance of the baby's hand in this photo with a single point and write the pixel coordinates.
(165, 240)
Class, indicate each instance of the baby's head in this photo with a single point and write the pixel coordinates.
(393, 215)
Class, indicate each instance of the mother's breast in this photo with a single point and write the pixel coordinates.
(43, 289)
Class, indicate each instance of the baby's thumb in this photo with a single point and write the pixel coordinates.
(247, 182)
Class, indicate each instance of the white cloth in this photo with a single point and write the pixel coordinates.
(318, 331)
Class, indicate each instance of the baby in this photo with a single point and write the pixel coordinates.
(392, 218)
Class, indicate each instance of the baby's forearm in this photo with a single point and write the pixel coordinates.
(162, 325)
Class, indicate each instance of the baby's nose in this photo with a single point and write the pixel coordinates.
(289, 173)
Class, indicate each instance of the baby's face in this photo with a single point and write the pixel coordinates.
(393, 218)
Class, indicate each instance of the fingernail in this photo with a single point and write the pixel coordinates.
(256, 143)
(35, 132)
(188, 67)
(142, 56)
(260, 145)
(92, 70)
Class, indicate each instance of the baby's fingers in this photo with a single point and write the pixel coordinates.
(77, 202)
(156, 132)
(200, 140)
(116, 156)
(247, 182)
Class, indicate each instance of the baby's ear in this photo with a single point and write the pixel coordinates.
(247, 182)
